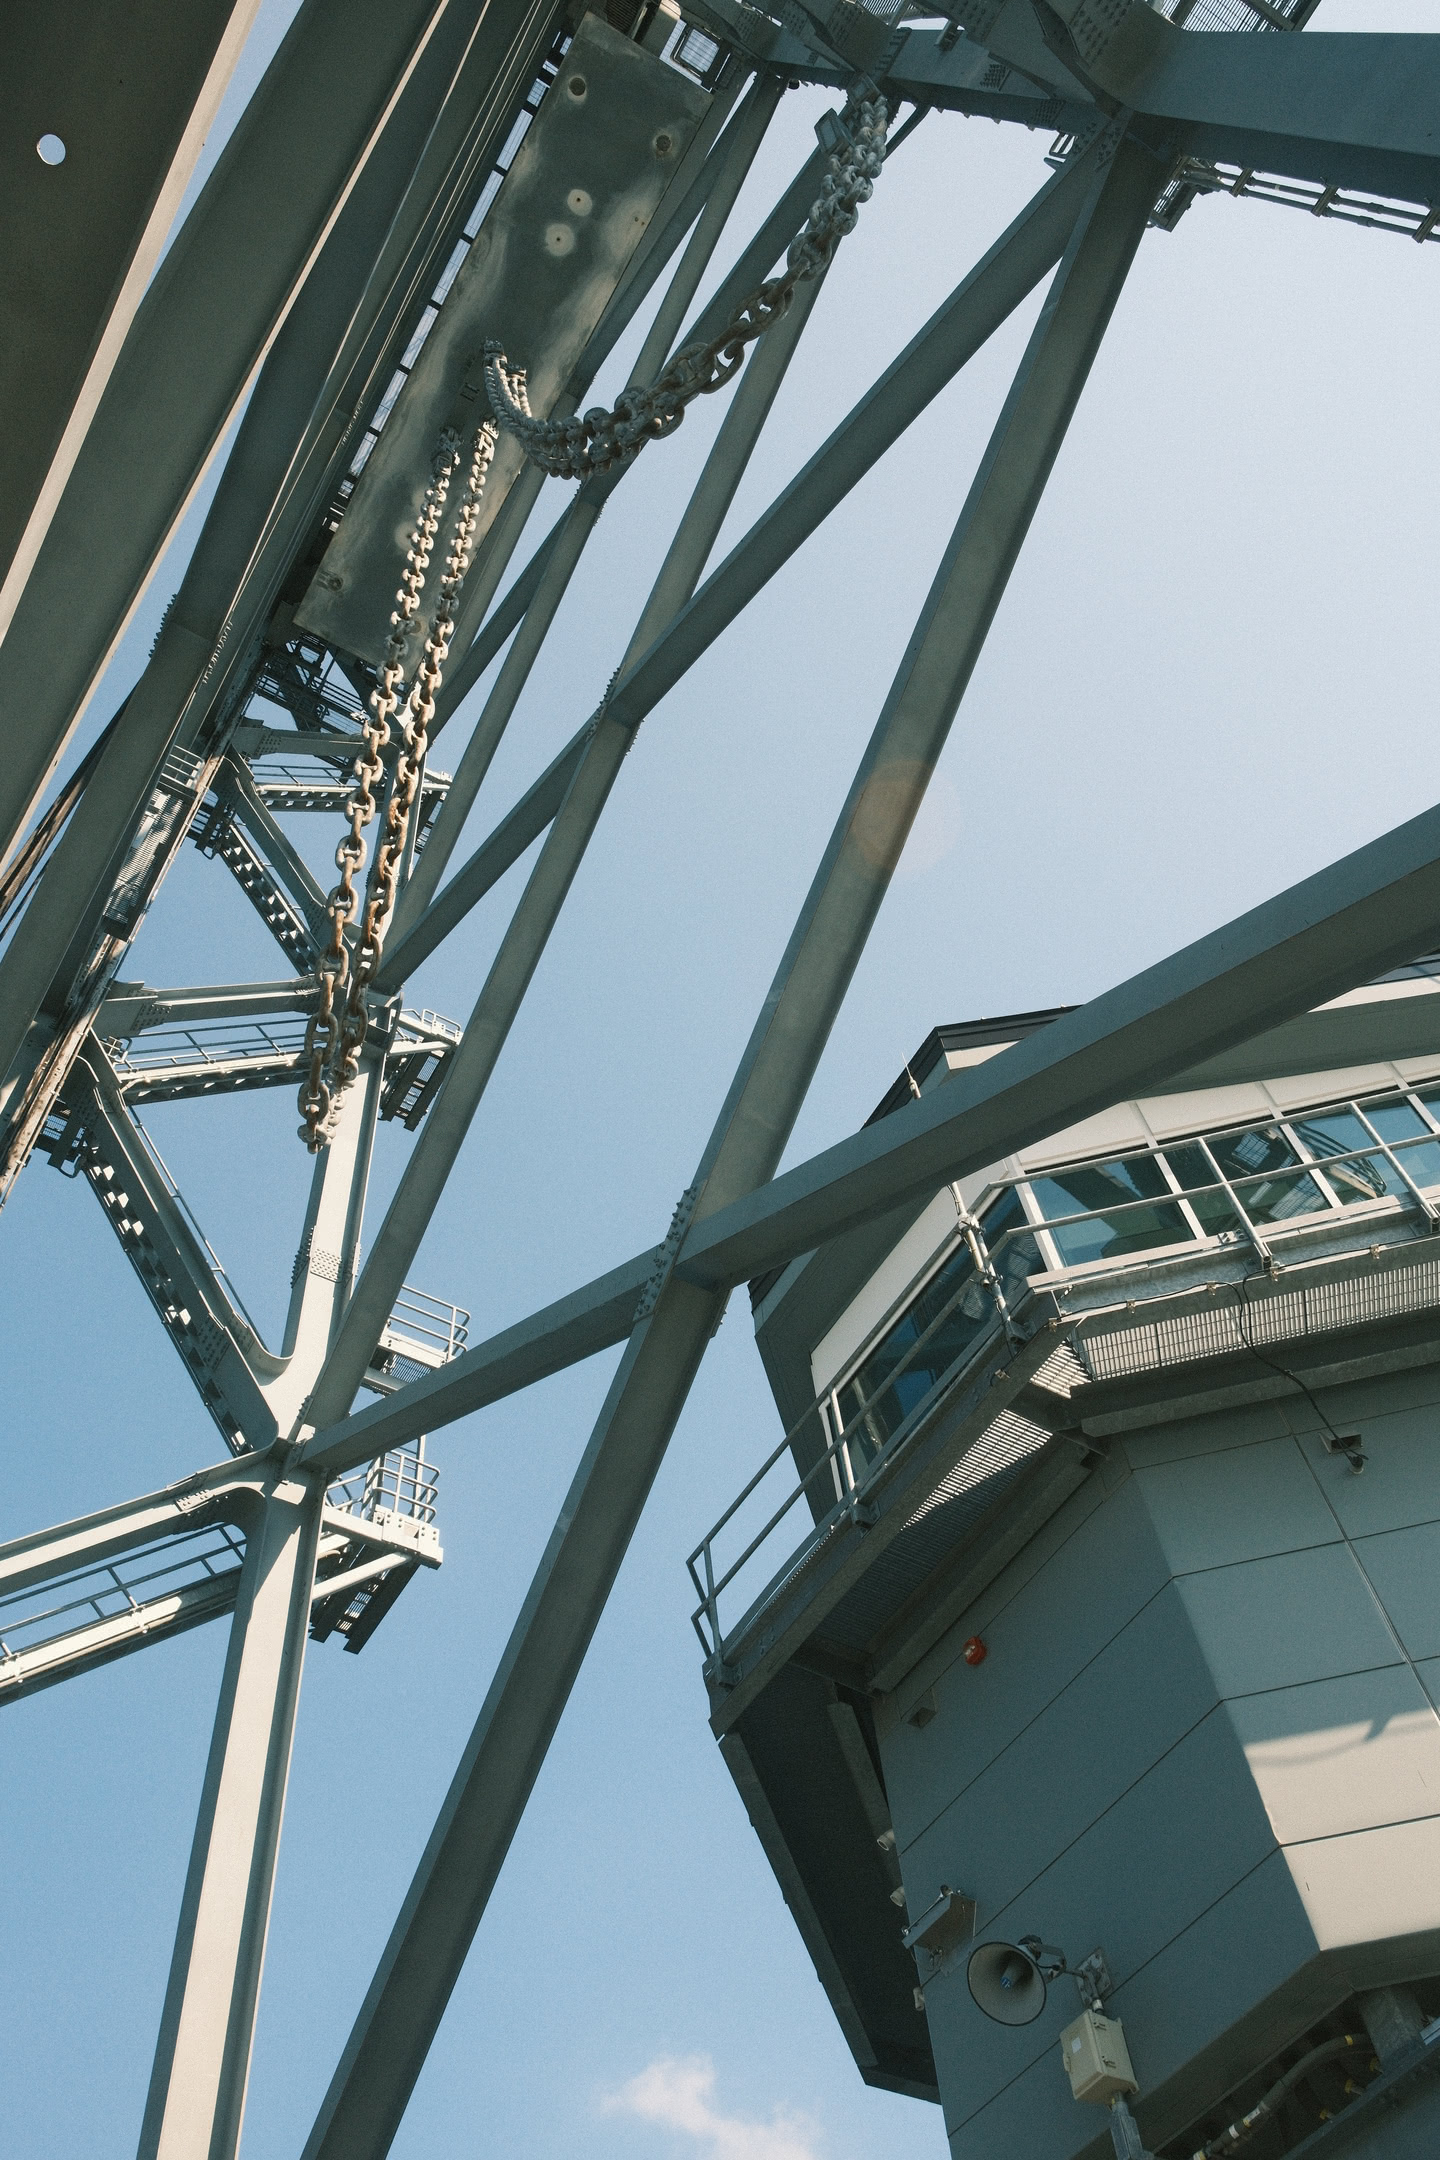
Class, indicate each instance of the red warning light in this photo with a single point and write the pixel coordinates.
(974, 1651)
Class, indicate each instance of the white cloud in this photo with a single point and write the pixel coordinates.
(679, 2094)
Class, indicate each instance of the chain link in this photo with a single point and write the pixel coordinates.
(568, 449)
(596, 440)
(335, 1034)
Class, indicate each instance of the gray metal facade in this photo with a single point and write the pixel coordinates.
(322, 281)
(1113, 1609)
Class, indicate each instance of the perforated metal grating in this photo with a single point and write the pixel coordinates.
(1267, 1316)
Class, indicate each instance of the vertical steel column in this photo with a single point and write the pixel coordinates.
(741, 144)
(473, 1062)
(202, 2057)
(328, 1258)
(676, 1319)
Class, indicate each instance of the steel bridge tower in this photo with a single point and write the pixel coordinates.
(432, 224)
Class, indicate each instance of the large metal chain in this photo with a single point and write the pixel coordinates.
(335, 1035)
(596, 440)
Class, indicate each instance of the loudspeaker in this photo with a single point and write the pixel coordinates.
(1007, 1983)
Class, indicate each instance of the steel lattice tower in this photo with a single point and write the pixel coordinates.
(387, 212)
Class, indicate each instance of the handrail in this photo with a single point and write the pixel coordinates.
(709, 1592)
(836, 1457)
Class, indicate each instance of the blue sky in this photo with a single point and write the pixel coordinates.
(1213, 672)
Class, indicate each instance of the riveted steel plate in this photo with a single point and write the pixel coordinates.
(584, 186)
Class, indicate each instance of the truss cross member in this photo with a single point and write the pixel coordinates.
(564, 550)
(202, 2060)
(574, 827)
(428, 1945)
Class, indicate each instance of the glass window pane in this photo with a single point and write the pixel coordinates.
(1243, 1154)
(1332, 1132)
(1367, 1177)
(1013, 1251)
(1398, 1120)
(952, 1311)
(1330, 1135)
(1107, 1236)
(1431, 1099)
(1097, 1185)
(1422, 1161)
(1194, 1172)
(1278, 1199)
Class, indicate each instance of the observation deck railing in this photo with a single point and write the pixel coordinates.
(1261, 1187)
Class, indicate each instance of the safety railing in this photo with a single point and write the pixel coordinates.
(401, 1482)
(33, 1617)
(850, 1459)
(426, 1023)
(218, 1042)
(433, 1328)
(1381, 213)
(325, 771)
(1262, 1185)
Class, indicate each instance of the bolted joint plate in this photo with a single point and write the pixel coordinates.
(577, 199)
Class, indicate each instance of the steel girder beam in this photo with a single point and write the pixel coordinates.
(201, 618)
(1356, 111)
(131, 94)
(496, 67)
(224, 1357)
(1328, 115)
(699, 169)
(1311, 943)
(132, 1007)
(496, 628)
(589, 1320)
(235, 792)
(675, 1320)
(754, 263)
(358, 309)
(474, 1061)
(237, 542)
(355, 1554)
(227, 1492)
(1370, 911)
(742, 141)
(1005, 276)
(518, 830)
(202, 2060)
(202, 330)
(690, 187)
(705, 159)
(97, 1642)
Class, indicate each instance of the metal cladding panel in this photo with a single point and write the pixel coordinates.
(580, 194)
(803, 1801)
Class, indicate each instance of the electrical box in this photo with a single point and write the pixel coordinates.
(950, 1920)
(1097, 2061)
